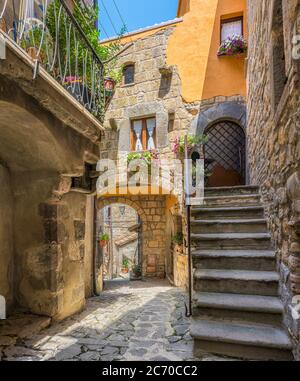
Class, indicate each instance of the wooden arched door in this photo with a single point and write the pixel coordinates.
(225, 155)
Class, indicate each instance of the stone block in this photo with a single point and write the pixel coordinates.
(79, 228)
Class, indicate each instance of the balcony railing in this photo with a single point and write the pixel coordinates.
(50, 33)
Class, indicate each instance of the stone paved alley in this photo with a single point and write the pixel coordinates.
(129, 321)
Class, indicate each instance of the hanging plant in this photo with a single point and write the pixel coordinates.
(178, 145)
(233, 45)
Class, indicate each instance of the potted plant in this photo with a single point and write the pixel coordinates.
(136, 272)
(233, 45)
(193, 141)
(109, 86)
(103, 239)
(125, 266)
(178, 242)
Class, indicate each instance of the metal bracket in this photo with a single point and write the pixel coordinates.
(36, 69)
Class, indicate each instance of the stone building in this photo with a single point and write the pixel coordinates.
(273, 135)
(48, 146)
(167, 96)
(121, 223)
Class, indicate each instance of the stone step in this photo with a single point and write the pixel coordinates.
(246, 341)
(235, 200)
(265, 283)
(229, 212)
(229, 226)
(236, 307)
(260, 241)
(238, 190)
(259, 260)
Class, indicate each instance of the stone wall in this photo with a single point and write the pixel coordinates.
(44, 146)
(121, 224)
(156, 91)
(6, 236)
(152, 211)
(273, 134)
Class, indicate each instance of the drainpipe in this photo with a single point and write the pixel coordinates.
(95, 249)
(188, 308)
(2, 308)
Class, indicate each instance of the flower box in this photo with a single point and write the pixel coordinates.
(234, 45)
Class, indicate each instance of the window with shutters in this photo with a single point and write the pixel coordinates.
(143, 134)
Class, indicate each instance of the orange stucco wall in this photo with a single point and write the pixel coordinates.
(193, 49)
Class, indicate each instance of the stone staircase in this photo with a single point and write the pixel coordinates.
(237, 311)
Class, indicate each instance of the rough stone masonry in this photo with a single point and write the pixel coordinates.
(274, 135)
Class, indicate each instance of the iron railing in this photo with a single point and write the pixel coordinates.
(48, 31)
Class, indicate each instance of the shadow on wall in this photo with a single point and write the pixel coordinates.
(165, 85)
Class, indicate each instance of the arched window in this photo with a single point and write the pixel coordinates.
(128, 74)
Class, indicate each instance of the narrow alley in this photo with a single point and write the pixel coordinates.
(130, 321)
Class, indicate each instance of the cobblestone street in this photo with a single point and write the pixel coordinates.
(129, 321)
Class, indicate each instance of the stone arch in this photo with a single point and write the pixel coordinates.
(151, 210)
(231, 111)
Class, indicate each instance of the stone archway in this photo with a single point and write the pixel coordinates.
(152, 212)
(225, 123)
(42, 216)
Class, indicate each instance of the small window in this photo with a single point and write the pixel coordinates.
(143, 134)
(230, 27)
(128, 74)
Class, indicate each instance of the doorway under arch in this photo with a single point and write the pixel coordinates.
(122, 253)
(225, 154)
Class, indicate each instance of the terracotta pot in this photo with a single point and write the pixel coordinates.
(33, 53)
(103, 243)
(179, 249)
(3, 26)
(125, 270)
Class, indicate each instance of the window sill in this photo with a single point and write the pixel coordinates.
(236, 55)
(128, 85)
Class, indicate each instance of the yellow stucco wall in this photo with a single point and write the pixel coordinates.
(193, 49)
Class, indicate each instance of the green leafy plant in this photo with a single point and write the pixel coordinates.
(178, 146)
(125, 263)
(178, 239)
(86, 18)
(137, 270)
(104, 237)
(146, 156)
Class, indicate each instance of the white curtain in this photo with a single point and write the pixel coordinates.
(151, 124)
(137, 127)
(230, 28)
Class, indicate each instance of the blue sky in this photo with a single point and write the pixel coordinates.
(136, 14)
